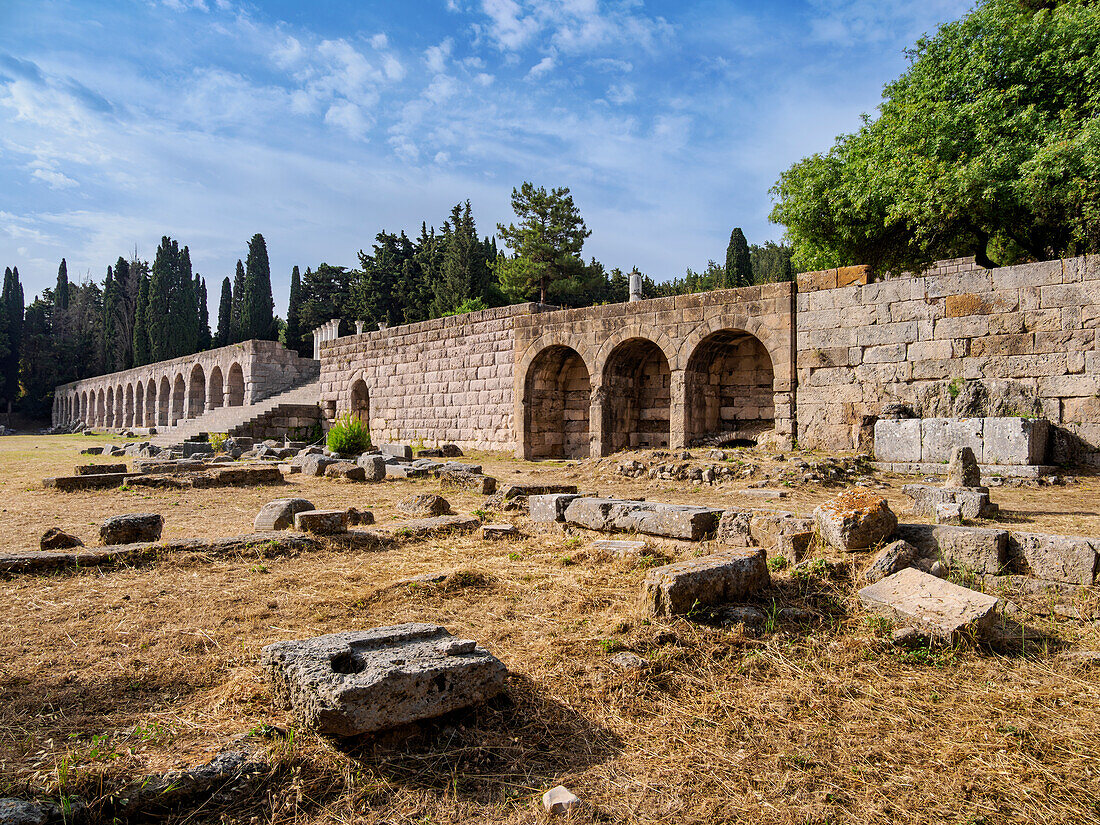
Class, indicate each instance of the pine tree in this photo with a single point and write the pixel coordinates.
(161, 281)
(293, 335)
(204, 340)
(258, 306)
(738, 261)
(238, 322)
(224, 335)
(141, 349)
(61, 294)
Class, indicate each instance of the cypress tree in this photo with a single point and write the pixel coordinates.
(107, 324)
(204, 314)
(224, 336)
(237, 326)
(738, 261)
(293, 340)
(5, 338)
(141, 324)
(61, 294)
(13, 305)
(160, 293)
(183, 308)
(122, 340)
(258, 306)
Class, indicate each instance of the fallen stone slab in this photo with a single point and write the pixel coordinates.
(764, 492)
(98, 469)
(438, 526)
(405, 471)
(962, 469)
(131, 528)
(71, 484)
(793, 547)
(57, 539)
(944, 610)
(426, 505)
(314, 465)
(154, 466)
(895, 556)
(374, 466)
(710, 580)
(947, 514)
(734, 530)
(978, 549)
(492, 532)
(476, 482)
(767, 528)
(550, 507)
(924, 468)
(357, 516)
(973, 502)
(510, 491)
(91, 450)
(279, 514)
(345, 471)
(321, 522)
(1071, 559)
(15, 811)
(855, 520)
(351, 683)
(397, 450)
(217, 477)
(675, 521)
(620, 547)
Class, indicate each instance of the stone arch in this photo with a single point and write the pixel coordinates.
(179, 399)
(139, 405)
(359, 401)
(196, 392)
(636, 331)
(151, 403)
(84, 408)
(215, 392)
(777, 344)
(164, 395)
(110, 419)
(729, 385)
(637, 386)
(235, 386)
(101, 409)
(128, 412)
(119, 406)
(557, 393)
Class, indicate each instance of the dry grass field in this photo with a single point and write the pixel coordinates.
(106, 674)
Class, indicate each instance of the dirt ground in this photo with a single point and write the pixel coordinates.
(108, 674)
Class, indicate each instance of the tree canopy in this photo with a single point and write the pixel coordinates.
(988, 145)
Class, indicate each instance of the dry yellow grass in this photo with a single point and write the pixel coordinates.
(109, 673)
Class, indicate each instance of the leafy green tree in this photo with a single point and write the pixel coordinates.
(988, 144)
(738, 261)
(38, 366)
(258, 307)
(292, 337)
(546, 243)
(224, 335)
(326, 294)
(771, 263)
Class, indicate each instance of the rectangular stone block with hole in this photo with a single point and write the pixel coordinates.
(977, 549)
(898, 440)
(710, 580)
(1072, 559)
(356, 682)
(943, 609)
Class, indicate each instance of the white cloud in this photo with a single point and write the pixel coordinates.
(509, 27)
(441, 158)
(483, 79)
(55, 179)
(442, 87)
(542, 67)
(436, 56)
(380, 41)
(620, 93)
(848, 22)
(348, 117)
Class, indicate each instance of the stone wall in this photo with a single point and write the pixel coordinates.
(960, 341)
(447, 380)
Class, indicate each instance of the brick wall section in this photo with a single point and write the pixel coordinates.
(960, 340)
(295, 421)
(447, 380)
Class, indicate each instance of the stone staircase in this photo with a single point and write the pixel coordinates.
(239, 420)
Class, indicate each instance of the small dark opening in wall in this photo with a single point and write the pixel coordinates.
(346, 662)
(742, 442)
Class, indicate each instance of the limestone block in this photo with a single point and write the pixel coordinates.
(1056, 558)
(895, 556)
(99, 469)
(315, 465)
(940, 435)
(374, 466)
(131, 528)
(279, 514)
(947, 513)
(1015, 441)
(710, 580)
(548, 508)
(974, 502)
(57, 539)
(676, 521)
(898, 440)
(793, 547)
(397, 450)
(424, 505)
(734, 530)
(945, 610)
(962, 469)
(855, 520)
(345, 471)
(350, 683)
(321, 522)
(766, 528)
(978, 549)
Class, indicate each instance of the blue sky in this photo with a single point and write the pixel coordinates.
(319, 124)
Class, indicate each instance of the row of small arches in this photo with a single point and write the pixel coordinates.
(156, 403)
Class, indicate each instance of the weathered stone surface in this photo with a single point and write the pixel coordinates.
(483, 484)
(733, 529)
(627, 660)
(451, 451)
(57, 539)
(619, 547)
(315, 465)
(722, 577)
(1015, 440)
(962, 469)
(510, 491)
(404, 471)
(897, 440)
(676, 521)
(559, 801)
(346, 471)
(945, 610)
(279, 514)
(1072, 559)
(550, 507)
(855, 520)
(949, 513)
(396, 450)
(46, 812)
(374, 466)
(895, 556)
(973, 502)
(321, 522)
(70, 484)
(978, 549)
(99, 469)
(357, 516)
(491, 532)
(941, 436)
(131, 528)
(793, 546)
(438, 526)
(345, 684)
(424, 505)
(767, 527)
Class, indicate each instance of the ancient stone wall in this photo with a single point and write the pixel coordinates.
(959, 341)
(447, 380)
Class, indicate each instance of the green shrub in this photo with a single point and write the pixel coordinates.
(348, 435)
(217, 441)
